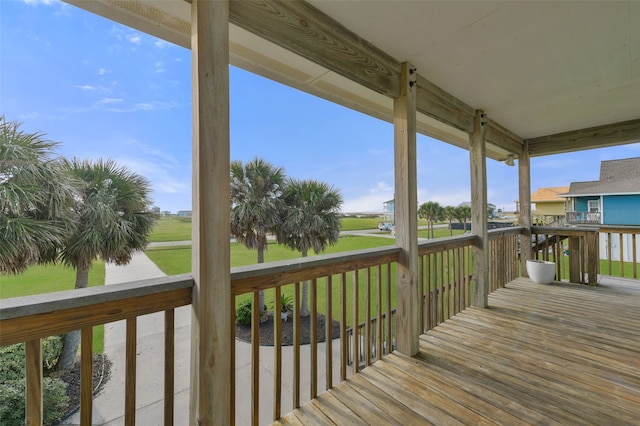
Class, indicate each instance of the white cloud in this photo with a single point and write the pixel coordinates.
(159, 67)
(134, 38)
(37, 2)
(371, 201)
(160, 44)
(86, 87)
(102, 71)
(110, 101)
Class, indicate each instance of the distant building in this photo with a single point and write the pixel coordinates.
(389, 210)
(184, 213)
(614, 199)
(547, 205)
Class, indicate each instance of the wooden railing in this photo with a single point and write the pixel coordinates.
(583, 218)
(364, 282)
(581, 246)
(446, 271)
(354, 288)
(29, 319)
(619, 247)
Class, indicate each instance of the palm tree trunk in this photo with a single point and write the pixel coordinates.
(71, 340)
(450, 228)
(304, 308)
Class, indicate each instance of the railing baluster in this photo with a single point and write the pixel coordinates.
(255, 358)
(33, 363)
(130, 373)
(379, 316)
(367, 320)
(426, 308)
(356, 321)
(328, 333)
(388, 310)
(609, 252)
(277, 355)
(344, 354)
(86, 375)
(621, 255)
(296, 346)
(443, 283)
(635, 259)
(313, 332)
(169, 365)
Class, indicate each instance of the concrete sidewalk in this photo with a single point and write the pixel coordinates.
(108, 406)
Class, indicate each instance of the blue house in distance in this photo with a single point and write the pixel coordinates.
(614, 199)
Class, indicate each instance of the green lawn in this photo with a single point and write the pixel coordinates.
(41, 279)
(440, 233)
(179, 229)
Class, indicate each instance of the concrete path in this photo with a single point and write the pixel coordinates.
(108, 406)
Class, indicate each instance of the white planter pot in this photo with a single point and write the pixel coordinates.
(541, 271)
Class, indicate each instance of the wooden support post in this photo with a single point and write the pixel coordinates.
(406, 205)
(575, 266)
(478, 154)
(524, 188)
(593, 259)
(212, 337)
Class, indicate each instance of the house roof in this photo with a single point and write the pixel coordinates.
(616, 177)
(548, 195)
(563, 76)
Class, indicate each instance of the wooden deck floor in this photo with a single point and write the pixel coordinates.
(555, 355)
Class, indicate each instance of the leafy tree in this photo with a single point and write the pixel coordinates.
(310, 221)
(449, 213)
(35, 198)
(463, 213)
(256, 205)
(112, 220)
(432, 212)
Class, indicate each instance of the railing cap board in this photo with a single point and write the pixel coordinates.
(268, 275)
(502, 232)
(44, 303)
(573, 231)
(448, 243)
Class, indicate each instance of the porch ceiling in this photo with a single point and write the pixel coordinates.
(564, 75)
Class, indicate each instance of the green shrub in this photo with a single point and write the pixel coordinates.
(12, 401)
(12, 383)
(286, 303)
(243, 313)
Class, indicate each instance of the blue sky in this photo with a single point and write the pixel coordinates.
(105, 90)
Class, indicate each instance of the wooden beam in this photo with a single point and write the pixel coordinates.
(211, 329)
(306, 31)
(524, 196)
(593, 137)
(431, 100)
(496, 134)
(477, 153)
(406, 205)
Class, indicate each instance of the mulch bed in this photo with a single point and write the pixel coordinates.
(243, 332)
(101, 373)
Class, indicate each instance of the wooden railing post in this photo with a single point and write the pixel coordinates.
(524, 193)
(211, 400)
(406, 207)
(478, 154)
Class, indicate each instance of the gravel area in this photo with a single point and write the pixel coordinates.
(101, 371)
(243, 332)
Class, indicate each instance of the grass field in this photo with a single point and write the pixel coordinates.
(179, 229)
(41, 279)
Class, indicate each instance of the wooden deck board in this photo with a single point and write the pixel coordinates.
(558, 354)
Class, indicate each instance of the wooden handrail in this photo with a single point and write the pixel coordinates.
(245, 279)
(33, 317)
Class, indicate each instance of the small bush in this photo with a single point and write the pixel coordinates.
(286, 303)
(12, 401)
(243, 313)
(12, 383)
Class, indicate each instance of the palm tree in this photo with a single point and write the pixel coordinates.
(310, 221)
(35, 198)
(463, 213)
(256, 205)
(449, 213)
(112, 221)
(431, 211)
